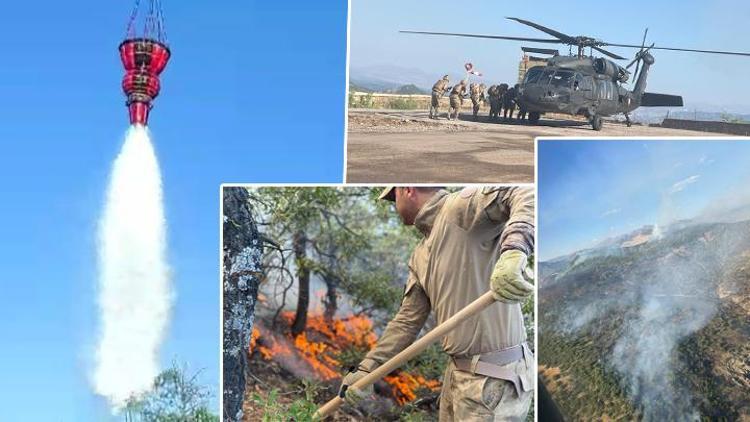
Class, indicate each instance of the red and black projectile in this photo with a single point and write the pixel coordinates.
(144, 58)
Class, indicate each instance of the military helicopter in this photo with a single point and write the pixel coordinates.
(584, 85)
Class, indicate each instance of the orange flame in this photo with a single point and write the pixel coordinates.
(322, 343)
(254, 338)
(405, 386)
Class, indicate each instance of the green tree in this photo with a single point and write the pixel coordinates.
(175, 397)
(337, 235)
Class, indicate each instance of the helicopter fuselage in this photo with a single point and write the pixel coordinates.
(582, 85)
(577, 86)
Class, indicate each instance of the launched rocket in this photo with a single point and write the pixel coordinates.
(144, 58)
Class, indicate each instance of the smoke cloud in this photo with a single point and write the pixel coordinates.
(674, 303)
(673, 296)
(134, 289)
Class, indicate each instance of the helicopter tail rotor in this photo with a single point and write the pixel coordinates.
(639, 55)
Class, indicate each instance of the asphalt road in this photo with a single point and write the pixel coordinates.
(408, 147)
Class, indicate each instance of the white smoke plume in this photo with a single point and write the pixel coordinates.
(134, 288)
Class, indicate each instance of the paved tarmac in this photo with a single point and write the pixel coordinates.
(407, 147)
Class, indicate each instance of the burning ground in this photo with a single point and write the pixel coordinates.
(311, 364)
(656, 330)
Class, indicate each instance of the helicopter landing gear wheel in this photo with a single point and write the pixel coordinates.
(596, 123)
(534, 117)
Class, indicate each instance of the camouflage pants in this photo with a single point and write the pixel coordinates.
(434, 104)
(494, 107)
(475, 103)
(436, 99)
(455, 106)
(469, 397)
(508, 107)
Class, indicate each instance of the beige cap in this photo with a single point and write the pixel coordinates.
(388, 193)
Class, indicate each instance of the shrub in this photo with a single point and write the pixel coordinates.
(403, 104)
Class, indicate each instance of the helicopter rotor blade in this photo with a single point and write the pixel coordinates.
(493, 37)
(691, 50)
(563, 37)
(608, 53)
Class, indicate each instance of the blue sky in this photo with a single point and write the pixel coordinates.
(254, 93)
(592, 190)
(701, 79)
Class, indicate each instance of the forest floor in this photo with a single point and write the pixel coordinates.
(273, 392)
(290, 377)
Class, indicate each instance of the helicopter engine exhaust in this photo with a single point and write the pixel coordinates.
(611, 69)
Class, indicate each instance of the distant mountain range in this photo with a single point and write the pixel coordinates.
(392, 79)
(389, 78)
(652, 115)
(409, 89)
(384, 78)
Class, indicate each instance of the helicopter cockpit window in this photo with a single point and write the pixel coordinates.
(532, 76)
(562, 78)
(546, 76)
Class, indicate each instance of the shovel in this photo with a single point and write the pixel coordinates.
(405, 355)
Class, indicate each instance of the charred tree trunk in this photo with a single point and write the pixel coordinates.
(303, 278)
(242, 251)
(331, 306)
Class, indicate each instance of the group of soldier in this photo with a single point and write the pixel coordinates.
(502, 99)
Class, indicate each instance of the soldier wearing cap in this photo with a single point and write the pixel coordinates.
(474, 240)
(438, 90)
(476, 91)
(456, 99)
(494, 98)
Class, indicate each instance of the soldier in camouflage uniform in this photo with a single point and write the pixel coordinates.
(438, 90)
(473, 241)
(456, 99)
(509, 103)
(521, 108)
(501, 90)
(494, 102)
(476, 92)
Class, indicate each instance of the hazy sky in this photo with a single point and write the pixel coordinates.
(709, 79)
(592, 190)
(220, 118)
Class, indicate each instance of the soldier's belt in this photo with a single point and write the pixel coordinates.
(491, 364)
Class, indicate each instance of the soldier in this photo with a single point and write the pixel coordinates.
(521, 112)
(501, 90)
(473, 240)
(438, 90)
(494, 102)
(477, 97)
(509, 103)
(456, 99)
(521, 108)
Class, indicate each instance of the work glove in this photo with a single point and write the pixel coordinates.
(353, 395)
(507, 281)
